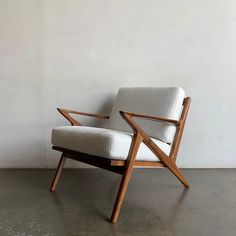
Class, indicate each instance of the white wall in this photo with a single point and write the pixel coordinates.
(76, 54)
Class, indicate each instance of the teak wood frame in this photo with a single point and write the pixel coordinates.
(125, 167)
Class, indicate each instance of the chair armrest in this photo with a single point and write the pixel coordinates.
(66, 113)
(153, 118)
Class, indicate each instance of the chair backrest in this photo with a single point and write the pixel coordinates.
(165, 102)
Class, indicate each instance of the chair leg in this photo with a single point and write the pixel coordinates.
(125, 179)
(176, 171)
(168, 162)
(120, 196)
(58, 173)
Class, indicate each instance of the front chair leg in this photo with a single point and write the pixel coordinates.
(58, 173)
(125, 178)
(121, 195)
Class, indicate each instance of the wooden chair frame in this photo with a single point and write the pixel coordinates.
(125, 167)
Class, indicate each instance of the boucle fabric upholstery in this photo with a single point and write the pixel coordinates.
(164, 102)
(106, 143)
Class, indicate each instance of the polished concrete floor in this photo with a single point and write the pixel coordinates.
(155, 204)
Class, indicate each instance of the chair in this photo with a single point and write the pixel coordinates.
(144, 129)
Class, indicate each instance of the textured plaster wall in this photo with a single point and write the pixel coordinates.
(76, 54)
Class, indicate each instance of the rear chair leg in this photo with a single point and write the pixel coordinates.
(176, 171)
(170, 164)
(58, 173)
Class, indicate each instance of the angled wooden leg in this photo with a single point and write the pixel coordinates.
(58, 173)
(121, 195)
(168, 162)
(176, 171)
(125, 178)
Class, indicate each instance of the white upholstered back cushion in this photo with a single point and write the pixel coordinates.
(155, 101)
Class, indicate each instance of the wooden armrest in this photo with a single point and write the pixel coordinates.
(153, 118)
(66, 114)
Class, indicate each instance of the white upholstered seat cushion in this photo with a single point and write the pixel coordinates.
(102, 142)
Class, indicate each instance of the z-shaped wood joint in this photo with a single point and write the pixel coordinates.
(141, 136)
(168, 161)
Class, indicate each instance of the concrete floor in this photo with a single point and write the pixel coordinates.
(156, 203)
